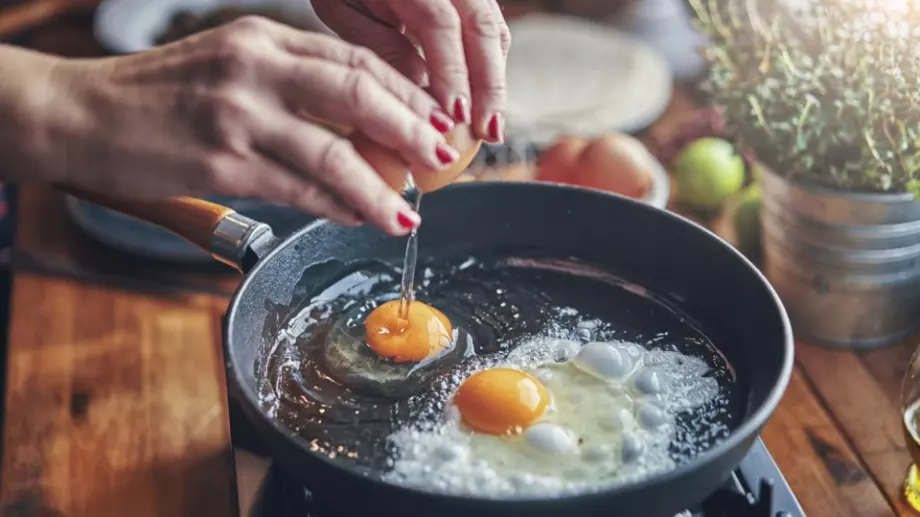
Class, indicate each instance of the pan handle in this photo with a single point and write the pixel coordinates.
(230, 237)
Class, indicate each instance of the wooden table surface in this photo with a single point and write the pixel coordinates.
(115, 401)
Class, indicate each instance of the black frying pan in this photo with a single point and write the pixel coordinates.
(693, 269)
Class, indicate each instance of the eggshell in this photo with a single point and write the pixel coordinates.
(615, 163)
(557, 162)
(394, 170)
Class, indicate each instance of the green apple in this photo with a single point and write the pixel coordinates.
(708, 171)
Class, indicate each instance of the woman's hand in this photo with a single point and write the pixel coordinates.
(465, 43)
(226, 112)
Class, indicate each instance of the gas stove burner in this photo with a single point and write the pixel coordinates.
(755, 489)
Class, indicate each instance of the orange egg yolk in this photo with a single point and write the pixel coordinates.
(501, 401)
(425, 333)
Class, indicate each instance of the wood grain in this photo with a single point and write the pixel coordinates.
(115, 405)
(818, 463)
(866, 407)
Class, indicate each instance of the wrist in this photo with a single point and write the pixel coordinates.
(37, 113)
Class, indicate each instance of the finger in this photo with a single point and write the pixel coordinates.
(333, 163)
(386, 41)
(302, 44)
(353, 97)
(436, 25)
(266, 179)
(482, 39)
(503, 27)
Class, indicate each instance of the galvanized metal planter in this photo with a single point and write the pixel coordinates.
(846, 265)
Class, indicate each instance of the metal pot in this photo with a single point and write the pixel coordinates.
(847, 265)
(696, 272)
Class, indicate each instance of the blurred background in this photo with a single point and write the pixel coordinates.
(580, 72)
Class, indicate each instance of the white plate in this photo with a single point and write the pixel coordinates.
(572, 76)
(125, 26)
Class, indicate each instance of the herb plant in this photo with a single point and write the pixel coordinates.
(828, 94)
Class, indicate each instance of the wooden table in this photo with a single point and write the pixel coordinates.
(116, 400)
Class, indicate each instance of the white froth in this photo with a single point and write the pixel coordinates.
(604, 361)
(612, 421)
(550, 438)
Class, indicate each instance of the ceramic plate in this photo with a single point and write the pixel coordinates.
(133, 236)
(125, 26)
(571, 76)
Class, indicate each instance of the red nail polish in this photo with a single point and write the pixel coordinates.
(461, 110)
(496, 128)
(441, 121)
(446, 154)
(406, 221)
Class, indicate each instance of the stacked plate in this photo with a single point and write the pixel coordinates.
(572, 76)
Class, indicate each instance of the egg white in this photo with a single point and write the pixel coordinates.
(611, 420)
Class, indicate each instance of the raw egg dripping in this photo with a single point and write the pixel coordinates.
(501, 401)
(426, 332)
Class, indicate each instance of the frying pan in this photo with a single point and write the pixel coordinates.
(697, 272)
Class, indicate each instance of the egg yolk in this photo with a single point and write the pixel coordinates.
(425, 333)
(501, 401)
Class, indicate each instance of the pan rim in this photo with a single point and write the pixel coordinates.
(751, 427)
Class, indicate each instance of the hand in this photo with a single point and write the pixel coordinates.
(465, 43)
(224, 112)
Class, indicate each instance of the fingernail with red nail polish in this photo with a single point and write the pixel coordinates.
(496, 128)
(446, 154)
(441, 121)
(461, 110)
(408, 220)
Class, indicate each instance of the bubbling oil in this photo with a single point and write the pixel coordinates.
(495, 304)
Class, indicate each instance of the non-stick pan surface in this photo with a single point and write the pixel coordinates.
(694, 270)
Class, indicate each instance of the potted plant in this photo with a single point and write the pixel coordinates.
(827, 100)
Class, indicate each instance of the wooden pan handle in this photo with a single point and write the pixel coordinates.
(192, 219)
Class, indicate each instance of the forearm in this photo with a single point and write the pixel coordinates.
(29, 97)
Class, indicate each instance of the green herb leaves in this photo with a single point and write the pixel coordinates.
(828, 95)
